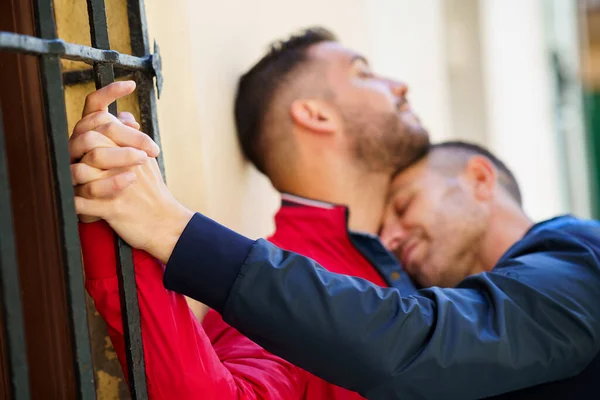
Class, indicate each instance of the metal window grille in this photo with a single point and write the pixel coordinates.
(144, 67)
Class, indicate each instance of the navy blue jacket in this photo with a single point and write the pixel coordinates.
(534, 319)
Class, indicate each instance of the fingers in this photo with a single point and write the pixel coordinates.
(82, 173)
(95, 140)
(133, 125)
(86, 142)
(102, 98)
(114, 157)
(126, 136)
(99, 118)
(92, 122)
(90, 210)
(103, 188)
(128, 119)
(111, 134)
(123, 131)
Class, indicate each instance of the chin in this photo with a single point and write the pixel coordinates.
(414, 149)
(424, 283)
(425, 280)
(420, 137)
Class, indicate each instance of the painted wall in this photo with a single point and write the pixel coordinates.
(519, 101)
(477, 70)
(207, 45)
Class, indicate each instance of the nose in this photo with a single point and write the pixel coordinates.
(393, 235)
(400, 89)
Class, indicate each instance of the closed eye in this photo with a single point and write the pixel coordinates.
(402, 206)
(366, 74)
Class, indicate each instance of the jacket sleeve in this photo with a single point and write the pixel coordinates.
(184, 360)
(533, 321)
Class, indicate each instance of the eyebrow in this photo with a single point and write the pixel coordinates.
(358, 57)
(397, 189)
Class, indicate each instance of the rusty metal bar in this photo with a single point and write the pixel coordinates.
(36, 46)
(56, 122)
(140, 47)
(104, 74)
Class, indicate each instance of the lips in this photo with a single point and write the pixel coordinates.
(408, 248)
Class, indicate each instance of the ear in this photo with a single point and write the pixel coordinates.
(315, 115)
(481, 176)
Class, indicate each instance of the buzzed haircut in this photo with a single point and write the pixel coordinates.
(257, 88)
(466, 150)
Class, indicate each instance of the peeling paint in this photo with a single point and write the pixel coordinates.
(72, 25)
(109, 351)
(108, 386)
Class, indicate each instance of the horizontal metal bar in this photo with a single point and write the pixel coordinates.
(14, 329)
(36, 46)
(78, 76)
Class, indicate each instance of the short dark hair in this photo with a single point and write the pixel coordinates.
(505, 176)
(257, 88)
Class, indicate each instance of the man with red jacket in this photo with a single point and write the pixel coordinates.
(329, 133)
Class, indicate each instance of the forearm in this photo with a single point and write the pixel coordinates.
(168, 232)
(497, 333)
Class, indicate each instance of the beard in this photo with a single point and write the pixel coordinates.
(455, 239)
(385, 142)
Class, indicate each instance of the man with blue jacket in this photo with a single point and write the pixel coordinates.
(457, 213)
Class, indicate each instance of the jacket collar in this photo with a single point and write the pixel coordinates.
(325, 226)
(295, 201)
(306, 215)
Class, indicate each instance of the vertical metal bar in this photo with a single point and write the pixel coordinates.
(140, 47)
(104, 74)
(56, 122)
(14, 330)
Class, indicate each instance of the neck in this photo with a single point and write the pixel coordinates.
(507, 226)
(366, 201)
(363, 193)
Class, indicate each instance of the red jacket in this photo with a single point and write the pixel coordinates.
(187, 360)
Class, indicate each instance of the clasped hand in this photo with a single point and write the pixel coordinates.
(116, 177)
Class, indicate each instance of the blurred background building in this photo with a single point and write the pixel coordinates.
(521, 77)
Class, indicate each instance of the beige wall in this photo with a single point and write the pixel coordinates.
(465, 70)
(477, 70)
(206, 45)
(519, 101)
